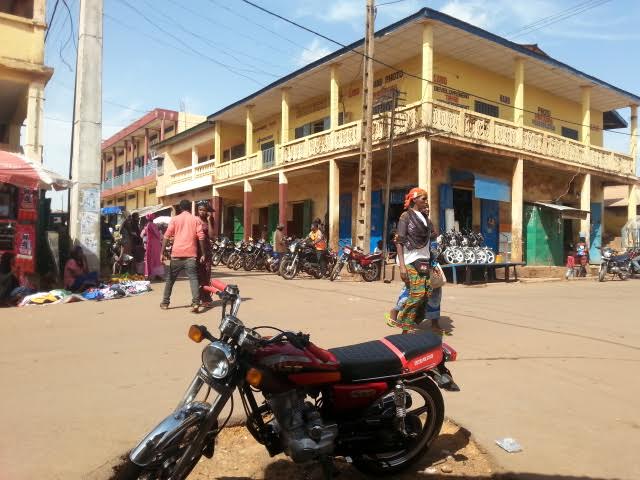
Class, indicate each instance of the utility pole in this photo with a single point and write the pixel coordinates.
(363, 226)
(86, 135)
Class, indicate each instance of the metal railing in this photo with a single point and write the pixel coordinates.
(147, 170)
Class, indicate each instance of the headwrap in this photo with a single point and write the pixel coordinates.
(204, 203)
(412, 195)
(150, 217)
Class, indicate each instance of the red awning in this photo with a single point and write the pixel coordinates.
(18, 170)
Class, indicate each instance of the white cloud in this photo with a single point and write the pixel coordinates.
(312, 52)
(473, 12)
(345, 11)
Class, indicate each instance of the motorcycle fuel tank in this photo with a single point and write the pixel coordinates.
(285, 357)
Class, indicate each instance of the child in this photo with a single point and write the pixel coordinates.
(431, 309)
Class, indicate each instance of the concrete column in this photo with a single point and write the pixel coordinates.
(194, 156)
(424, 164)
(427, 72)
(115, 161)
(146, 145)
(216, 203)
(282, 200)
(517, 186)
(125, 155)
(217, 144)
(334, 96)
(518, 91)
(248, 136)
(585, 129)
(334, 204)
(585, 204)
(39, 11)
(162, 128)
(633, 140)
(247, 210)
(284, 120)
(35, 101)
(632, 207)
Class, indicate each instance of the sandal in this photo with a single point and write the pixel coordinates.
(164, 306)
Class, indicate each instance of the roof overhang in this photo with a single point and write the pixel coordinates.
(565, 211)
(151, 120)
(453, 38)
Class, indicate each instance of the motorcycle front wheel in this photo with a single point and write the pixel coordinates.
(287, 271)
(216, 258)
(336, 271)
(238, 262)
(231, 260)
(165, 466)
(225, 256)
(371, 273)
(423, 419)
(250, 263)
(601, 273)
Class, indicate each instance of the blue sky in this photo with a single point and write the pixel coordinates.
(239, 49)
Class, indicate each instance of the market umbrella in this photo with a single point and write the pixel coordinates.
(18, 170)
(162, 220)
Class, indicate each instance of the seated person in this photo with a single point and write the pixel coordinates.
(76, 274)
(8, 278)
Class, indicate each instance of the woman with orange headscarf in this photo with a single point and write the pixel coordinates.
(415, 231)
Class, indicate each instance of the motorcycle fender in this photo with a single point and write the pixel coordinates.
(166, 430)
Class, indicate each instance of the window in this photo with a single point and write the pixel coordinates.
(131, 197)
(168, 129)
(20, 8)
(120, 170)
(314, 127)
(121, 199)
(487, 109)
(234, 152)
(569, 133)
(152, 191)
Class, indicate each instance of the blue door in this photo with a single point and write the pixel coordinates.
(489, 222)
(345, 219)
(446, 201)
(377, 219)
(596, 233)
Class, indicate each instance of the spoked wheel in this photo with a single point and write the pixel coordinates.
(167, 461)
(231, 259)
(602, 273)
(225, 256)
(491, 257)
(481, 256)
(287, 270)
(250, 263)
(336, 270)
(469, 256)
(624, 275)
(238, 262)
(423, 422)
(371, 273)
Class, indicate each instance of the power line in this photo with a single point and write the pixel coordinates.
(404, 72)
(50, 23)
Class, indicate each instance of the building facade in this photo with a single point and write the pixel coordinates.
(129, 163)
(507, 141)
(23, 76)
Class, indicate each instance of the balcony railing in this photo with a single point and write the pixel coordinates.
(147, 170)
(468, 126)
(192, 172)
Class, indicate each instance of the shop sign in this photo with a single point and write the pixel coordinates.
(505, 99)
(449, 95)
(543, 119)
(25, 247)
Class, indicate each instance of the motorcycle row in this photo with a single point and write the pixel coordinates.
(624, 265)
(301, 256)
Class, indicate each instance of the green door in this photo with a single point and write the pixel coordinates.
(238, 224)
(272, 220)
(543, 236)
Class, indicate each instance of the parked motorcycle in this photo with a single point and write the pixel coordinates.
(256, 258)
(378, 402)
(368, 266)
(613, 264)
(302, 258)
(236, 258)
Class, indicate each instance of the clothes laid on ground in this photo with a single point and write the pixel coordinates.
(50, 298)
(117, 290)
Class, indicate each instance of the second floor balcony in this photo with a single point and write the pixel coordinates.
(133, 178)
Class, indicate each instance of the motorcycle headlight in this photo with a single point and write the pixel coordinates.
(292, 248)
(217, 359)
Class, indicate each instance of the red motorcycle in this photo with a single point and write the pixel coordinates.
(357, 261)
(377, 403)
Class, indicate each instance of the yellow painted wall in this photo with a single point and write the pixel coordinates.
(21, 39)
(187, 120)
(231, 135)
(266, 131)
(151, 197)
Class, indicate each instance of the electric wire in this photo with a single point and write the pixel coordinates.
(50, 23)
(404, 72)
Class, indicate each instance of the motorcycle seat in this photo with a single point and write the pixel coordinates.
(375, 359)
(620, 258)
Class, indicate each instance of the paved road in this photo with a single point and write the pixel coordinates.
(553, 365)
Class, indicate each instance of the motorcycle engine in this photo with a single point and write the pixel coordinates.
(303, 435)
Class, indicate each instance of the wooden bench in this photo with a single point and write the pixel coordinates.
(488, 270)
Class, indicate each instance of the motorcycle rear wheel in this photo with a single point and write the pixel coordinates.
(238, 262)
(433, 406)
(224, 258)
(371, 273)
(336, 271)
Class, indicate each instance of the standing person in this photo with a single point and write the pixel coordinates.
(153, 267)
(413, 245)
(582, 254)
(205, 214)
(187, 234)
(320, 244)
(279, 244)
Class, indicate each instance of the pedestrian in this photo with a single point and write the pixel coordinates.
(319, 243)
(205, 214)
(413, 246)
(582, 254)
(187, 233)
(153, 267)
(279, 243)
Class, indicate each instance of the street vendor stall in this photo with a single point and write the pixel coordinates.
(21, 184)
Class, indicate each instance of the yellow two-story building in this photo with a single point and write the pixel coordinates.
(507, 141)
(23, 76)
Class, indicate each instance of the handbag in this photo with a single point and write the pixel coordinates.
(421, 266)
(436, 276)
